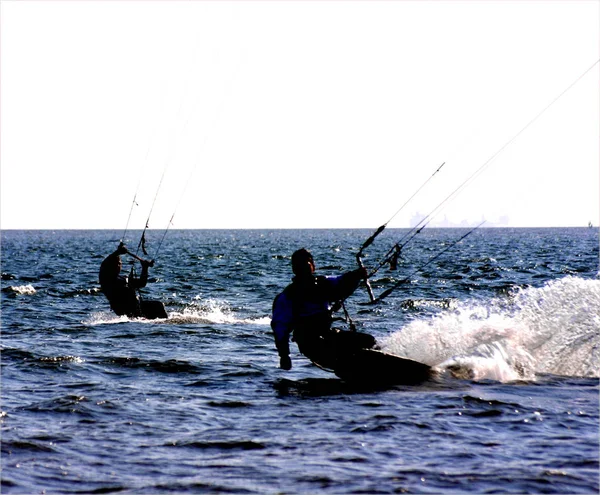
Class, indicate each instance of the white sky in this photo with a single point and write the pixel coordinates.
(296, 114)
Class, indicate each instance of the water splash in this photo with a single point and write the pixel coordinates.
(553, 329)
(211, 311)
(20, 289)
(204, 311)
(563, 320)
(104, 318)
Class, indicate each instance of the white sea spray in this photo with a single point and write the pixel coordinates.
(562, 319)
(552, 329)
(198, 311)
(211, 311)
(21, 289)
(104, 317)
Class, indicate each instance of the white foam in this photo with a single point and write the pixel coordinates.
(563, 323)
(104, 318)
(199, 311)
(21, 289)
(262, 320)
(552, 329)
(212, 311)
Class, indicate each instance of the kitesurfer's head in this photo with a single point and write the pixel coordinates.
(302, 263)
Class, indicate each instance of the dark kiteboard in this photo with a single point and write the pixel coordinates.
(153, 310)
(374, 367)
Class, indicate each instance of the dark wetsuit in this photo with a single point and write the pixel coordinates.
(305, 308)
(121, 291)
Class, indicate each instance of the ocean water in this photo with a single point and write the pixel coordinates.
(95, 403)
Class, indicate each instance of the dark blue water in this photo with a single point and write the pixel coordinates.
(95, 403)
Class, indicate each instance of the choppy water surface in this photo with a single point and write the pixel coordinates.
(94, 403)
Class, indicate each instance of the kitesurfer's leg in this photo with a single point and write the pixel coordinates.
(317, 348)
(365, 340)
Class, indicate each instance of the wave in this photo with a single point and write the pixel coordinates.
(20, 289)
(163, 366)
(35, 360)
(554, 329)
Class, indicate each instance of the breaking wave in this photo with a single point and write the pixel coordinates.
(553, 329)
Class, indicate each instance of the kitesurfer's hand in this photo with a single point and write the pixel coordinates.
(122, 249)
(146, 264)
(285, 363)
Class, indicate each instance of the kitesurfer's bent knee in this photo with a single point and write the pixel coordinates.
(327, 346)
(316, 347)
(355, 340)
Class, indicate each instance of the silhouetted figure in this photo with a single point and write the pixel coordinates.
(305, 308)
(394, 258)
(120, 290)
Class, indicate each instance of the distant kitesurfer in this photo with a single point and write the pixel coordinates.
(305, 308)
(121, 292)
(394, 258)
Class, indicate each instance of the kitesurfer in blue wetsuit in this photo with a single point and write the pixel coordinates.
(120, 290)
(305, 308)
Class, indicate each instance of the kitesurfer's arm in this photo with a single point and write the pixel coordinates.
(344, 285)
(138, 283)
(281, 323)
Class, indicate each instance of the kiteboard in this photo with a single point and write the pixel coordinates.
(153, 309)
(372, 366)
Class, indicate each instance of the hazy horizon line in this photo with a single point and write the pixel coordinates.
(462, 227)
